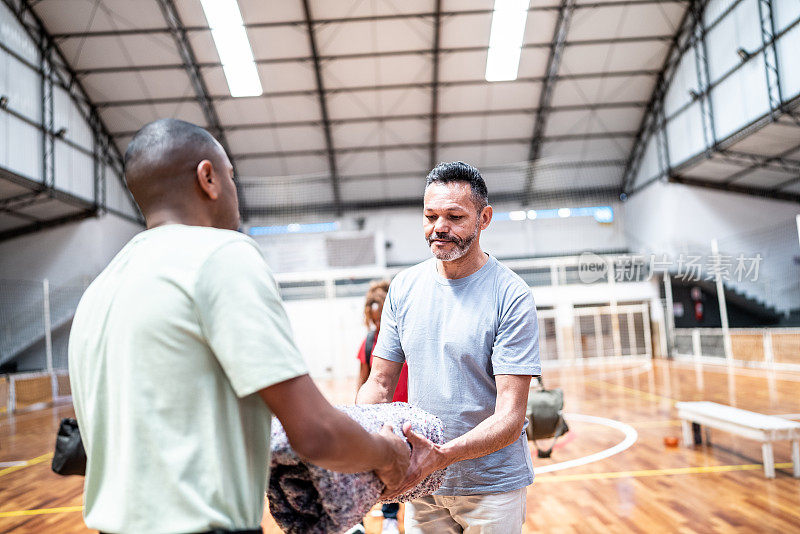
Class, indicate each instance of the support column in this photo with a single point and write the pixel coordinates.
(48, 337)
(723, 308)
(669, 320)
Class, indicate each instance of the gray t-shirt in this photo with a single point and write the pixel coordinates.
(455, 336)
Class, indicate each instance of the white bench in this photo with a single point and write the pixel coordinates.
(764, 428)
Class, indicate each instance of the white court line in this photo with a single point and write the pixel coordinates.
(630, 438)
(12, 464)
(639, 369)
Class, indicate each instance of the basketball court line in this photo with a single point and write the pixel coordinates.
(630, 438)
(659, 472)
(642, 394)
(40, 511)
(540, 480)
(28, 463)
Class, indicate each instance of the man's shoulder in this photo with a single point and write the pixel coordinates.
(509, 285)
(405, 279)
(508, 277)
(201, 243)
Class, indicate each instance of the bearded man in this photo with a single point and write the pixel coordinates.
(466, 326)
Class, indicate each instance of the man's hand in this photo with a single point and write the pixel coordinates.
(398, 458)
(426, 457)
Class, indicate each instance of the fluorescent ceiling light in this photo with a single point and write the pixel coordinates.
(230, 37)
(505, 41)
(517, 215)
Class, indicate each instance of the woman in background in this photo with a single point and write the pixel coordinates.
(373, 307)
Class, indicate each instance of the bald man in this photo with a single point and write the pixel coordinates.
(181, 351)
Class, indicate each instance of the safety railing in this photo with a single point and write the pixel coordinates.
(776, 348)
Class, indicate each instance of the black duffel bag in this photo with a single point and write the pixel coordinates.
(69, 457)
(546, 418)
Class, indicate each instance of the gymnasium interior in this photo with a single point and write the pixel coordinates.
(642, 159)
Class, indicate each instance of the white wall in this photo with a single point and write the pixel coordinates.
(676, 219)
(668, 217)
(68, 252)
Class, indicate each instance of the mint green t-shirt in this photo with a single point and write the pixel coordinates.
(168, 349)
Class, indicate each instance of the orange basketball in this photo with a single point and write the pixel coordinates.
(671, 441)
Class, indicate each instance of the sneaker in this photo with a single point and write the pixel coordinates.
(358, 529)
(390, 527)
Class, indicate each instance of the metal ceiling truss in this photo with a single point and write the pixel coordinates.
(426, 146)
(417, 116)
(422, 172)
(719, 149)
(37, 193)
(56, 71)
(371, 88)
(433, 52)
(178, 32)
(545, 96)
(736, 188)
(323, 106)
(703, 77)
(43, 225)
(653, 120)
(373, 18)
(784, 109)
(755, 161)
(434, 117)
(770, 54)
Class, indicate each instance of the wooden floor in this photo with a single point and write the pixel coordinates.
(646, 488)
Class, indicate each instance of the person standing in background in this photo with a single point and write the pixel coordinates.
(373, 307)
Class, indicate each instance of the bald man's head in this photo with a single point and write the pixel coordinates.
(176, 169)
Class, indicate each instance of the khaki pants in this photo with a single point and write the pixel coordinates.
(493, 513)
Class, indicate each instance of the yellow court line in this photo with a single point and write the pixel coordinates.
(34, 461)
(657, 472)
(19, 513)
(638, 393)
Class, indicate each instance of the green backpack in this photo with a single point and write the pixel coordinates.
(546, 419)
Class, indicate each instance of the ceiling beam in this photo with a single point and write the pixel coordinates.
(435, 51)
(63, 75)
(371, 88)
(374, 18)
(425, 146)
(755, 162)
(545, 96)
(178, 32)
(735, 188)
(434, 118)
(654, 120)
(323, 106)
(254, 182)
(759, 161)
(43, 224)
(417, 116)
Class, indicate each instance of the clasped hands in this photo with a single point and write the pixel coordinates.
(426, 457)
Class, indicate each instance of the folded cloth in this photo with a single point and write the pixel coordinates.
(307, 499)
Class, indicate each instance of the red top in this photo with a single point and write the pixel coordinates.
(401, 393)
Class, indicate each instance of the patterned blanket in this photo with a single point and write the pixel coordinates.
(307, 499)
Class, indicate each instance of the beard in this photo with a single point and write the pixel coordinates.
(460, 246)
